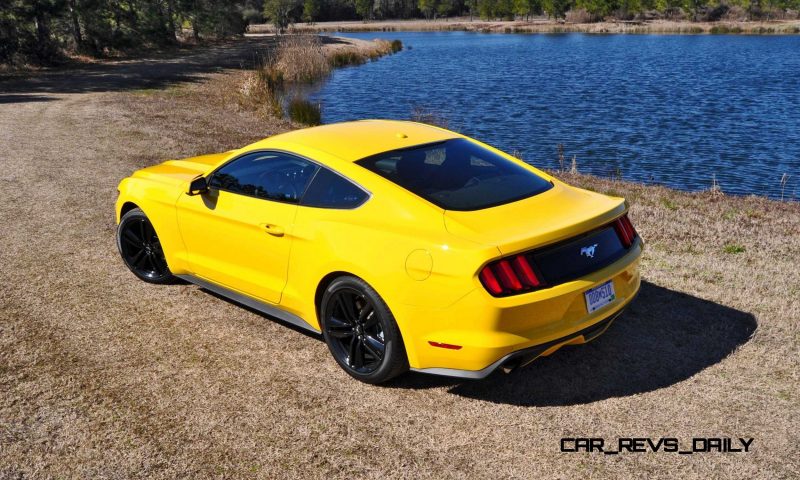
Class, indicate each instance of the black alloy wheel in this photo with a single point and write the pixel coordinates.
(140, 248)
(361, 332)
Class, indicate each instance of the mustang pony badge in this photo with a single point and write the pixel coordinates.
(589, 251)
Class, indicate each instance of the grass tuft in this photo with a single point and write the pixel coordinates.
(304, 112)
(345, 58)
(669, 204)
(733, 249)
(301, 59)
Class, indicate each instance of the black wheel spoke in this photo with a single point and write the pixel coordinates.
(151, 234)
(364, 313)
(137, 259)
(135, 244)
(359, 359)
(371, 319)
(339, 329)
(353, 352)
(338, 307)
(152, 262)
(349, 306)
(374, 346)
(141, 230)
(131, 237)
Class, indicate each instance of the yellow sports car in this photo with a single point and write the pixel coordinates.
(406, 245)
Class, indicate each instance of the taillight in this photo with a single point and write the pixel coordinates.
(510, 276)
(625, 231)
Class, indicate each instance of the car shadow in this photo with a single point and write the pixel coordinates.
(663, 338)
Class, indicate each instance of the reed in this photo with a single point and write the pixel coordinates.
(305, 112)
(302, 58)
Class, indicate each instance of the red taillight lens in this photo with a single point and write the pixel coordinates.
(525, 271)
(489, 281)
(625, 230)
(509, 276)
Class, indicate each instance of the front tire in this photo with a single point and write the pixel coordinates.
(140, 248)
(361, 332)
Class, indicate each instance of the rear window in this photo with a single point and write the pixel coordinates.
(457, 175)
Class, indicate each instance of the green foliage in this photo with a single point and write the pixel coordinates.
(446, 7)
(669, 204)
(427, 7)
(556, 8)
(527, 8)
(281, 12)
(304, 112)
(312, 10)
(733, 249)
(38, 31)
(364, 8)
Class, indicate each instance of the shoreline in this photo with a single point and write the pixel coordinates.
(777, 27)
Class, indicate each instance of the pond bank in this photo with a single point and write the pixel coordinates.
(778, 27)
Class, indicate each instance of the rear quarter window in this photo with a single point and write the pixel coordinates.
(330, 190)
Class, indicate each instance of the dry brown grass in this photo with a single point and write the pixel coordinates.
(779, 27)
(102, 375)
(302, 58)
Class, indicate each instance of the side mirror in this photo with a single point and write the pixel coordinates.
(198, 186)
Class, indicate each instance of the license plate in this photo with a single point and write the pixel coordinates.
(600, 296)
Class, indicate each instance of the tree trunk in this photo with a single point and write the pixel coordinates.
(76, 25)
(195, 28)
(171, 18)
(42, 27)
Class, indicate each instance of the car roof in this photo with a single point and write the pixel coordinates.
(351, 141)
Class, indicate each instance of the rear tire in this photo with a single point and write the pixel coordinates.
(140, 248)
(361, 332)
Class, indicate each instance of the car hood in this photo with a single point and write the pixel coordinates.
(557, 214)
(179, 171)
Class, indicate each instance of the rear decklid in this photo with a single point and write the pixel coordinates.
(558, 214)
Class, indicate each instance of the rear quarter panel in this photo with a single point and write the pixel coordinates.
(375, 243)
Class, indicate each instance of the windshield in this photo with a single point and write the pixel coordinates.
(457, 175)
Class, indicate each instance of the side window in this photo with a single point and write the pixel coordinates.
(269, 175)
(329, 190)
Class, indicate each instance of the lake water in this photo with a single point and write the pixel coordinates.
(677, 110)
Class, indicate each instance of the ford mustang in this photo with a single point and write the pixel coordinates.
(407, 246)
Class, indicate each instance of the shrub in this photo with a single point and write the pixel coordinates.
(343, 58)
(304, 112)
(300, 58)
(397, 45)
(580, 15)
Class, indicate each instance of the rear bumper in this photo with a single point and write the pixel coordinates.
(520, 358)
(511, 331)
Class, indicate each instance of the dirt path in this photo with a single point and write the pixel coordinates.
(104, 376)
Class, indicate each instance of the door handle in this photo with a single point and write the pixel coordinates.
(273, 229)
